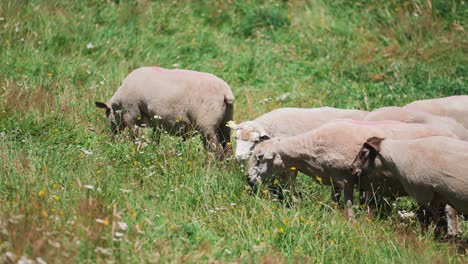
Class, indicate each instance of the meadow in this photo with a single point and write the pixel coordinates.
(71, 192)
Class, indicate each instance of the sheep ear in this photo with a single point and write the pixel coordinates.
(263, 135)
(102, 105)
(278, 161)
(373, 143)
(268, 155)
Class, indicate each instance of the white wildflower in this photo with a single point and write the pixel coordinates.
(122, 226)
(104, 251)
(90, 45)
(86, 152)
(89, 187)
(40, 260)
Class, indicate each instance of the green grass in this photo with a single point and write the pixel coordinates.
(179, 203)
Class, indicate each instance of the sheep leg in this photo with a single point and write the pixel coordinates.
(131, 124)
(336, 193)
(288, 181)
(348, 196)
(453, 228)
(423, 215)
(210, 142)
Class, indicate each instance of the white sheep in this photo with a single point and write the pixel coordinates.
(326, 154)
(176, 101)
(285, 122)
(455, 107)
(433, 170)
(408, 115)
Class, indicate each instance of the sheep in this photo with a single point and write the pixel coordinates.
(176, 101)
(455, 107)
(408, 115)
(431, 169)
(284, 122)
(326, 154)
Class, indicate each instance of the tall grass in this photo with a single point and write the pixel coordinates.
(68, 191)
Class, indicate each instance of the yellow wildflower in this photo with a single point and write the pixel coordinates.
(139, 118)
(276, 182)
(293, 168)
(229, 144)
(319, 179)
(42, 193)
(281, 230)
(286, 221)
(55, 185)
(56, 198)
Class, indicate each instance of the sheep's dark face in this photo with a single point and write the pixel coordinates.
(263, 163)
(115, 123)
(365, 160)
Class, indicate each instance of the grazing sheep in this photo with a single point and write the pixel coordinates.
(455, 107)
(433, 170)
(408, 115)
(174, 100)
(327, 152)
(285, 122)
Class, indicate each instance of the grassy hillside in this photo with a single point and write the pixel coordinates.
(70, 192)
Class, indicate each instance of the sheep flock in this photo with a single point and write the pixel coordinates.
(418, 150)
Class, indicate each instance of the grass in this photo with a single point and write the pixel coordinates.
(174, 202)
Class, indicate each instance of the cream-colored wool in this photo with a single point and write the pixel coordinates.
(285, 122)
(455, 107)
(175, 100)
(408, 115)
(326, 154)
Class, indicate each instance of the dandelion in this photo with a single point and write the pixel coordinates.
(42, 193)
(56, 198)
(281, 230)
